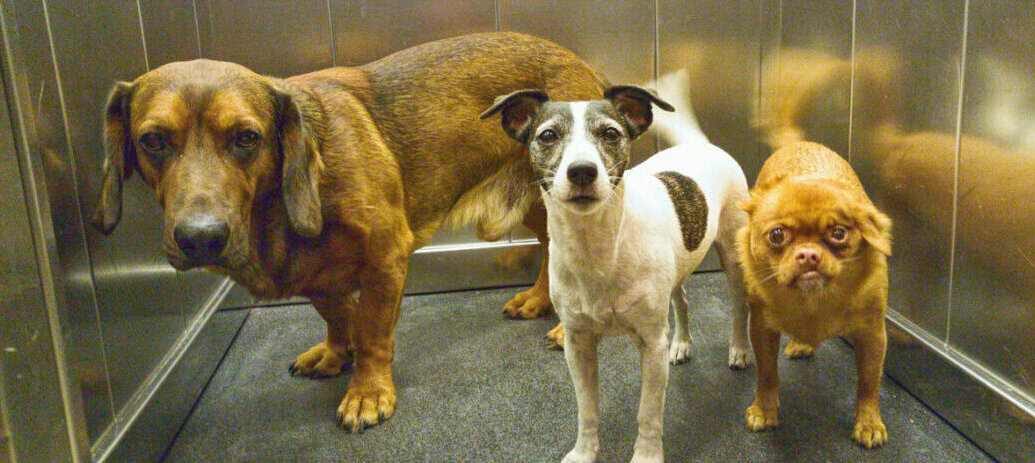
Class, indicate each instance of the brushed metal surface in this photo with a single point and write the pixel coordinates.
(30, 393)
(170, 31)
(367, 30)
(905, 106)
(275, 37)
(36, 97)
(993, 298)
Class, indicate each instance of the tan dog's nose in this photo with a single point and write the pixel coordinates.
(807, 257)
(202, 237)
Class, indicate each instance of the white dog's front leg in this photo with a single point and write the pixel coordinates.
(681, 347)
(580, 351)
(654, 366)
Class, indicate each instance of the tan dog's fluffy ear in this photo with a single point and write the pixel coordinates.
(875, 228)
(302, 164)
(749, 205)
(119, 160)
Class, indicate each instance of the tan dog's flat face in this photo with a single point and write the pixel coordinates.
(805, 235)
(205, 135)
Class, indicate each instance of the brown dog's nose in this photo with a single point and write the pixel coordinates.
(807, 257)
(582, 173)
(202, 237)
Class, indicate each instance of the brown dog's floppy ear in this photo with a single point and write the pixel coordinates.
(302, 165)
(633, 104)
(518, 109)
(119, 158)
(875, 228)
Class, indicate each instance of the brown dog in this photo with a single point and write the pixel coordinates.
(813, 255)
(323, 184)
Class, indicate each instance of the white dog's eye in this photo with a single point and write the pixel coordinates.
(547, 137)
(612, 134)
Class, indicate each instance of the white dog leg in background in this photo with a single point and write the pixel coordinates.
(681, 347)
(654, 368)
(580, 352)
(740, 346)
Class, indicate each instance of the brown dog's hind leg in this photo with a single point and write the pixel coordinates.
(870, 346)
(370, 399)
(327, 358)
(764, 412)
(536, 301)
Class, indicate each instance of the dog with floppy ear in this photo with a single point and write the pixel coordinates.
(814, 260)
(322, 185)
(622, 242)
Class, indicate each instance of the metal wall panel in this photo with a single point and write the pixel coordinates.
(30, 395)
(993, 299)
(274, 37)
(905, 107)
(170, 31)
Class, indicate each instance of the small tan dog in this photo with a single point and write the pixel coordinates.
(813, 255)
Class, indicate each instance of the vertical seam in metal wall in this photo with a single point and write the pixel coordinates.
(956, 169)
(496, 13)
(851, 83)
(657, 59)
(143, 36)
(50, 297)
(334, 38)
(197, 27)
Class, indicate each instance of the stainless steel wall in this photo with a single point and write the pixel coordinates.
(931, 102)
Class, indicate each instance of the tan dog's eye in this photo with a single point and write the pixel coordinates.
(247, 139)
(547, 137)
(153, 141)
(778, 236)
(837, 235)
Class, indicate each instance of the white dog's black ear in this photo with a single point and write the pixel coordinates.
(517, 111)
(633, 104)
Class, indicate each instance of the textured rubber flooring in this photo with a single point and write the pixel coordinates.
(474, 387)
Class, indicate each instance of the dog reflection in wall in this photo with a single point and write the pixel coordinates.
(622, 242)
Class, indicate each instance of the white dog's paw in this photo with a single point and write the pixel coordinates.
(577, 455)
(656, 455)
(679, 352)
(739, 358)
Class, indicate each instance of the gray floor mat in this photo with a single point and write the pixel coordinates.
(475, 387)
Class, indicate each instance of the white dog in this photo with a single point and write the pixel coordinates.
(623, 242)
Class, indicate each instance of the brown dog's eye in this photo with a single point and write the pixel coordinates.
(547, 137)
(153, 141)
(838, 234)
(247, 139)
(612, 134)
(777, 236)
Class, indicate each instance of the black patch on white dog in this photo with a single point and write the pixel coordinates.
(690, 205)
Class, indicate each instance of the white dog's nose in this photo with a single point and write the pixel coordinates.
(582, 173)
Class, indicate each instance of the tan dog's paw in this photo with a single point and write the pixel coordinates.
(321, 361)
(760, 420)
(679, 352)
(528, 304)
(870, 432)
(797, 351)
(739, 359)
(556, 337)
(365, 407)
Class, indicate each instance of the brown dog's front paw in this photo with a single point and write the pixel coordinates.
(759, 419)
(797, 351)
(320, 361)
(556, 337)
(365, 407)
(528, 304)
(870, 432)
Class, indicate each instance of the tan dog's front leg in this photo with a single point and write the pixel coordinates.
(870, 346)
(534, 302)
(764, 412)
(370, 399)
(327, 358)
